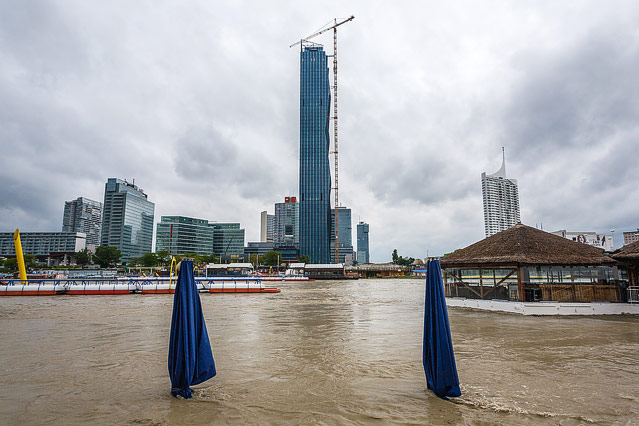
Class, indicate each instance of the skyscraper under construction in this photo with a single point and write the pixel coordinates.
(314, 176)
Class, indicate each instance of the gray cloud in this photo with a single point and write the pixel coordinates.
(200, 105)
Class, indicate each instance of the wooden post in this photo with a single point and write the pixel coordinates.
(481, 284)
(520, 284)
(574, 288)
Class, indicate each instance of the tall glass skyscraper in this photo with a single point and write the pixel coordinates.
(363, 254)
(315, 177)
(127, 220)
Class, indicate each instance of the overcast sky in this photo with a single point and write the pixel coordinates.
(198, 101)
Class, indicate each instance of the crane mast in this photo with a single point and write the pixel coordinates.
(335, 145)
(335, 137)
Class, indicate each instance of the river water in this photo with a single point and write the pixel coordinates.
(324, 352)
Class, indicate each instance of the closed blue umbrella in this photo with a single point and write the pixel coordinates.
(439, 359)
(190, 357)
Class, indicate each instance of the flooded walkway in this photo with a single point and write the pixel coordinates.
(319, 352)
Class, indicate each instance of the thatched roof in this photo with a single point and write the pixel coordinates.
(628, 252)
(523, 245)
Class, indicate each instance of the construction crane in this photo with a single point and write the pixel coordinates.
(335, 144)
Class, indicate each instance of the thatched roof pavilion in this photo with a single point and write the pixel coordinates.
(526, 264)
(524, 245)
(628, 252)
(628, 257)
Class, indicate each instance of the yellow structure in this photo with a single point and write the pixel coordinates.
(173, 265)
(19, 256)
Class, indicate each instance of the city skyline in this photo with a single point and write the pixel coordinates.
(183, 110)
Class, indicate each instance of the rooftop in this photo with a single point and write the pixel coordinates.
(524, 245)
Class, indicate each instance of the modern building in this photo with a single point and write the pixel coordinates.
(180, 234)
(287, 223)
(525, 264)
(630, 237)
(267, 226)
(53, 247)
(228, 240)
(363, 253)
(501, 200)
(127, 220)
(345, 229)
(258, 247)
(591, 238)
(83, 215)
(314, 175)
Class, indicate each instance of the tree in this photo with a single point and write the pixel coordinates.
(400, 260)
(164, 257)
(83, 257)
(254, 258)
(305, 258)
(11, 264)
(272, 257)
(211, 258)
(30, 261)
(149, 259)
(107, 256)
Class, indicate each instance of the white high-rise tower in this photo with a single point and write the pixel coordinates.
(501, 200)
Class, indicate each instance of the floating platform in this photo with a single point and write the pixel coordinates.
(129, 285)
(35, 289)
(545, 308)
(101, 289)
(245, 290)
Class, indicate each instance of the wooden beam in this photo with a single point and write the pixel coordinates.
(501, 282)
(520, 285)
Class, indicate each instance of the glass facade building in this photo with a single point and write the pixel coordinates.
(287, 223)
(180, 234)
(345, 235)
(314, 175)
(127, 221)
(228, 239)
(83, 215)
(363, 254)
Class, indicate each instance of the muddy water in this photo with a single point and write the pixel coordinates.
(317, 353)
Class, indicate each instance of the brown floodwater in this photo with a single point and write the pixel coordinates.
(332, 352)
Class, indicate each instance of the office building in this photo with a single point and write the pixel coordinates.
(127, 221)
(345, 229)
(363, 254)
(501, 200)
(55, 248)
(630, 237)
(258, 247)
(83, 215)
(267, 226)
(287, 223)
(180, 234)
(591, 238)
(314, 175)
(228, 240)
